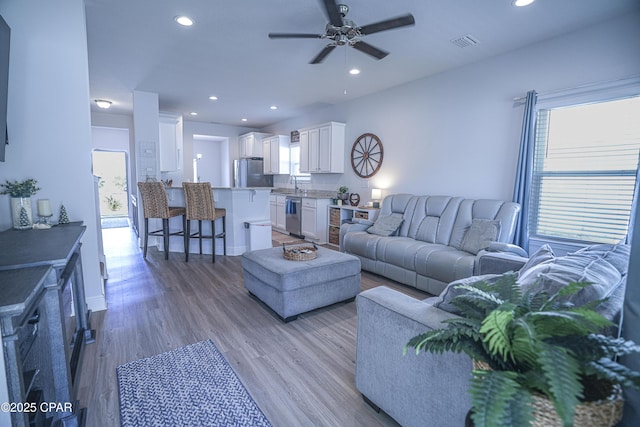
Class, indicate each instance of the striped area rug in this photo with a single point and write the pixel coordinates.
(189, 386)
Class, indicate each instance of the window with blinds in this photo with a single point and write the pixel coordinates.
(585, 171)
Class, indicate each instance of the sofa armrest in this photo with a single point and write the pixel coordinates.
(498, 262)
(351, 227)
(410, 388)
(507, 247)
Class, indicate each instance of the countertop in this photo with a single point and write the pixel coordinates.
(229, 188)
(309, 194)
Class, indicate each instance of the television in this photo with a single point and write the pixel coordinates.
(5, 39)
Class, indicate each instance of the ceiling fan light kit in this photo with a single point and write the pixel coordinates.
(341, 31)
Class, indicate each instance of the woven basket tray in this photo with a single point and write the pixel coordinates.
(300, 253)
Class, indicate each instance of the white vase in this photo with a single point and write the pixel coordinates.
(17, 203)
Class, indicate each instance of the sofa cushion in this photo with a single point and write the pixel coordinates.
(386, 225)
(444, 263)
(399, 251)
(552, 275)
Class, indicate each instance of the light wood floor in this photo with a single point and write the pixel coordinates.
(300, 373)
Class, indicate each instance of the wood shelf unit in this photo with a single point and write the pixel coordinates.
(339, 214)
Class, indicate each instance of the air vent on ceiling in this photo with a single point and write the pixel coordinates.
(465, 41)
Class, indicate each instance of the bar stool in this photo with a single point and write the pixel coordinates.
(155, 204)
(198, 198)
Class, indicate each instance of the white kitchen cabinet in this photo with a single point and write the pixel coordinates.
(273, 210)
(314, 219)
(275, 151)
(251, 144)
(170, 138)
(281, 222)
(322, 148)
(304, 151)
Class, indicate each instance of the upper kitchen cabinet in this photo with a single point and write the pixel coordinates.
(251, 144)
(275, 151)
(170, 142)
(322, 148)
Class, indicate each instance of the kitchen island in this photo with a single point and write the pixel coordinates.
(242, 205)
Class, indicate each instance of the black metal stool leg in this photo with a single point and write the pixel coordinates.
(165, 236)
(224, 234)
(187, 239)
(146, 235)
(213, 240)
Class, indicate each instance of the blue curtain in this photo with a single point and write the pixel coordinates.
(525, 170)
(634, 205)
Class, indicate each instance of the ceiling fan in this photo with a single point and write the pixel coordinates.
(342, 31)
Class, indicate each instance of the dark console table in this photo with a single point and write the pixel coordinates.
(45, 322)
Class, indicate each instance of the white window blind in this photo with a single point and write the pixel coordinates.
(585, 168)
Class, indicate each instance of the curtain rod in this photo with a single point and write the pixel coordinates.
(592, 86)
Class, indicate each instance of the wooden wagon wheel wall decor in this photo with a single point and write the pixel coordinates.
(366, 155)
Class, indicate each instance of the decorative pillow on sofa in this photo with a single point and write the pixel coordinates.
(386, 225)
(443, 302)
(552, 275)
(480, 234)
(616, 255)
(544, 254)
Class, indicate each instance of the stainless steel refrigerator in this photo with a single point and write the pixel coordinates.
(249, 172)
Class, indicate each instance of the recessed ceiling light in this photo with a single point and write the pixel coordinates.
(213, 98)
(193, 113)
(354, 71)
(274, 107)
(244, 120)
(184, 21)
(520, 3)
(103, 103)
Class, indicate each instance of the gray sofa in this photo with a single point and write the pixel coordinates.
(432, 390)
(439, 238)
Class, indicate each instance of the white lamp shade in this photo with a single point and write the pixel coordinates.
(376, 193)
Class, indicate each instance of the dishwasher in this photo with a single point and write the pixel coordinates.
(293, 216)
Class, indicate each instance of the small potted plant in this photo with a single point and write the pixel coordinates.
(21, 193)
(343, 193)
(538, 359)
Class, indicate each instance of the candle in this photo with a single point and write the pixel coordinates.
(44, 207)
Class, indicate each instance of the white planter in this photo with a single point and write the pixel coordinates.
(17, 203)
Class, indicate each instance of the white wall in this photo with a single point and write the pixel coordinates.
(228, 150)
(52, 143)
(49, 63)
(213, 166)
(457, 133)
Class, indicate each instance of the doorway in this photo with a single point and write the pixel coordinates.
(111, 169)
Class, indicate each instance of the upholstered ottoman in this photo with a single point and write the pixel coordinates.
(293, 287)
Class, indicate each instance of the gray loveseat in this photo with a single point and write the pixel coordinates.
(438, 240)
(432, 390)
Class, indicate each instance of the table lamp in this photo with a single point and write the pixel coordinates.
(376, 195)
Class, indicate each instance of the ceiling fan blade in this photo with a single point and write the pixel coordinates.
(295, 36)
(388, 24)
(369, 49)
(323, 54)
(333, 13)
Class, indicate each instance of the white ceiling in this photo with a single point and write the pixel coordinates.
(136, 45)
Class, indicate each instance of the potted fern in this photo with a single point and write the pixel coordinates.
(535, 349)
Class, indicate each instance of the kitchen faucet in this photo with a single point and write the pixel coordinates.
(295, 182)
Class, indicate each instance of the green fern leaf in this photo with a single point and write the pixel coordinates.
(492, 394)
(496, 332)
(562, 374)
